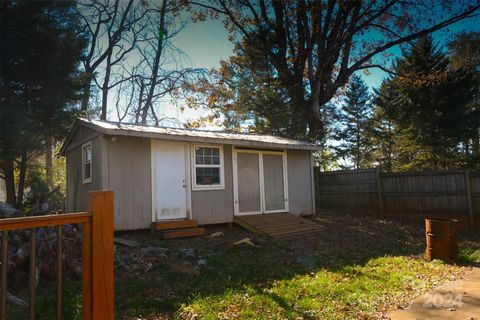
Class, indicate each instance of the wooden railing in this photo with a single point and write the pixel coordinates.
(97, 256)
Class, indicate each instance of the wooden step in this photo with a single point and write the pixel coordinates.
(182, 233)
(278, 224)
(174, 224)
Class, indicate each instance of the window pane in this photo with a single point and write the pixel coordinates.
(88, 173)
(207, 176)
(205, 155)
(88, 154)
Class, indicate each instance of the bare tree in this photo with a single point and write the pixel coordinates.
(159, 73)
(111, 29)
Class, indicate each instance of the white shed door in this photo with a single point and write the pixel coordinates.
(170, 181)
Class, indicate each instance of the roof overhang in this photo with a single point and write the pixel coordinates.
(124, 130)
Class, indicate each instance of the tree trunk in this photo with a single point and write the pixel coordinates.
(476, 142)
(105, 88)
(86, 95)
(315, 125)
(49, 161)
(9, 177)
(156, 65)
(140, 98)
(21, 178)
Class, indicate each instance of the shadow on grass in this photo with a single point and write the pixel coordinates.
(346, 241)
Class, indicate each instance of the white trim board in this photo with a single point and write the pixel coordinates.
(221, 186)
(86, 145)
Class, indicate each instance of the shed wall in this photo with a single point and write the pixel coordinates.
(300, 182)
(129, 176)
(125, 165)
(77, 191)
(216, 206)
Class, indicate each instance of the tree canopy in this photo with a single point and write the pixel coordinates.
(352, 124)
(313, 47)
(431, 104)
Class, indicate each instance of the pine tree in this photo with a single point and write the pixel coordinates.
(40, 80)
(353, 120)
(428, 104)
(393, 147)
(433, 103)
(464, 51)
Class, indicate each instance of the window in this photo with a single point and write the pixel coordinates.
(208, 167)
(87, 162)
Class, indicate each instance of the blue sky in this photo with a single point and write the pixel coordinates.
(206, 43)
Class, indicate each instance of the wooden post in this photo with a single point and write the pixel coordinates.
(87, 272)
(381, 209)
(98, 249)
(468, 186)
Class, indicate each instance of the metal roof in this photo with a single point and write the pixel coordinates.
(205, 136)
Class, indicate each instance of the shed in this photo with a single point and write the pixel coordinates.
(163, 174)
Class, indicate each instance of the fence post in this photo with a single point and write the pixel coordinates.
(98, 281)
(468, 186)
(381, 209)
(316, 179)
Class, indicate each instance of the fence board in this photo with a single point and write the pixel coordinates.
(409, 195)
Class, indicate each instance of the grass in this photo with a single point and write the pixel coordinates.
(351, 292)
(470, 249)
(357, 268)
(46, 302)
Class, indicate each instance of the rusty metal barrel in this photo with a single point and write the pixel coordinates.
(442, 239)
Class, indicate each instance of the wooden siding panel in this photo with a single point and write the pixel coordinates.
(216, 206)
(299, 182)
(77, 191)
(129, 176)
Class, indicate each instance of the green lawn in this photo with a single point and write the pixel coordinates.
(357, 268)
(351, 292)
(356, 271)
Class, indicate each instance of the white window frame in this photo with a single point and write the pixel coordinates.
(220, 186)
(85, 146)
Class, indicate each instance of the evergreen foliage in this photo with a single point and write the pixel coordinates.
(353, 122)
(425, 113)
(40, 80)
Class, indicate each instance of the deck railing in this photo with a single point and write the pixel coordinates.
(97, 256)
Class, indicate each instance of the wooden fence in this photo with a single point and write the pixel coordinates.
(97, 256)
(407, 195)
